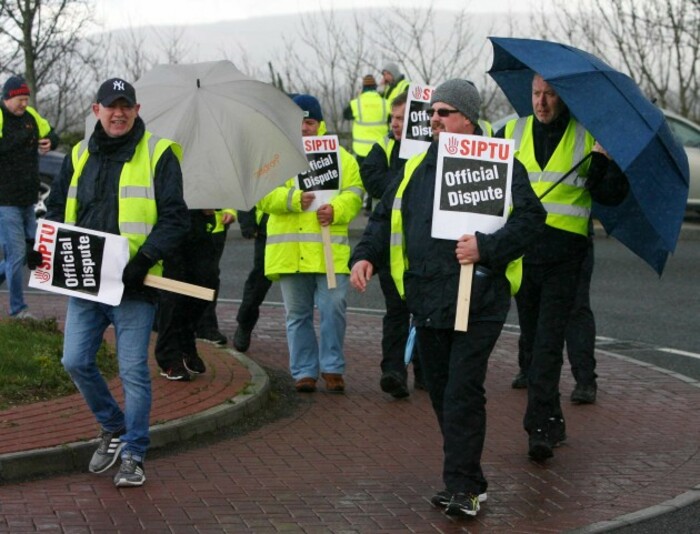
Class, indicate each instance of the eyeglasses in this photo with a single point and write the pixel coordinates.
(442, 112)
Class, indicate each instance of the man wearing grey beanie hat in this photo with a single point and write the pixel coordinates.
(460, 94)
(454, 363)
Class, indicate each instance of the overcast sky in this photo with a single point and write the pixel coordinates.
(124, 13)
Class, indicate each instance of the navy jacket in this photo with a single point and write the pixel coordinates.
(98, 188)
(431, 282)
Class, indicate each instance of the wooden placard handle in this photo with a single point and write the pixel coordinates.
(175, 286)
(328, 255)
(464, 295)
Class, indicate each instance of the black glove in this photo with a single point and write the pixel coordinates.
(136, 270)
(248, 232)
(34, 258)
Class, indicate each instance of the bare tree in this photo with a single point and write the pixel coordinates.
(327, 64)
(429, 47)
(655, 42)
(39, 34)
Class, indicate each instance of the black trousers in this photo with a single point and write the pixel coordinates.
(209, 321)
(454, 369)
(580, 332)
(395, 327)
(194, 262)
(545, 303)
(255, 289)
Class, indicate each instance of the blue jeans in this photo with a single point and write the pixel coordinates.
(300, 292)
(86, 322)
(17, 224)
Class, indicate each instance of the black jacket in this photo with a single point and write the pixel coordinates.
(431, 282)
(19, 159)
(377, 173)
(605, 182)
(98, 191)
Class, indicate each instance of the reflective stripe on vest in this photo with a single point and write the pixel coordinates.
(398, 262)
(138, 212)
(370, 123)
(568, 204)
(306, 238)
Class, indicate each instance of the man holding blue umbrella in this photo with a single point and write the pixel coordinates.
(567, 169)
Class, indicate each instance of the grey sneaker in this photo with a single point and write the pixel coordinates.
(24, 314)
(107, 451)
(130, 473)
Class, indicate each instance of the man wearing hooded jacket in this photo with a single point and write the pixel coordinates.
(426, 270)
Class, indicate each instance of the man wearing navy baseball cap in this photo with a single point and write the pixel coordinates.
(122, 180)
(114, 89)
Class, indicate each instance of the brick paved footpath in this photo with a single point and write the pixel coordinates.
(364, 462)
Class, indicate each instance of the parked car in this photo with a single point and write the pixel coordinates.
(687, 133)
(49, 167)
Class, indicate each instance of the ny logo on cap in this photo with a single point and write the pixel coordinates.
(118, 85)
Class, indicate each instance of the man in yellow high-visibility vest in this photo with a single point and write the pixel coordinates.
(24, 134)
(426, 272)
(124, 180)
(550, 143)
(294, 255)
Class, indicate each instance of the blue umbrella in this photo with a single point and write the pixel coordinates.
(630, 128)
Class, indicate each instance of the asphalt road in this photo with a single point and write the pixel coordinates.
(631, 302)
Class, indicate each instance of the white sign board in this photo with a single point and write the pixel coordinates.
(417, 134)
(472, 185)
(324, 174)
(79, 262)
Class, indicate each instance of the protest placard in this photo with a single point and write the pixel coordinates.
(417, 134)
(89, 264)
(79, 262)
(323, 178)
(472, 194)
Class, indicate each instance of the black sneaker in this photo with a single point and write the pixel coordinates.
(556, 431)
(540, 447)
(176, 371)
(443, 497)
(520, 381)
(241, 339)
(194, 364)
(107, 451)
(213, 336)
(130, 473)
(583, 394)
(463, 505)
(393, 384)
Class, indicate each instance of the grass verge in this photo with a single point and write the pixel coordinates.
(30, 362)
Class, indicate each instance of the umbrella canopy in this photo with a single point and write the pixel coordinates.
(240, 137)
(630, 128)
